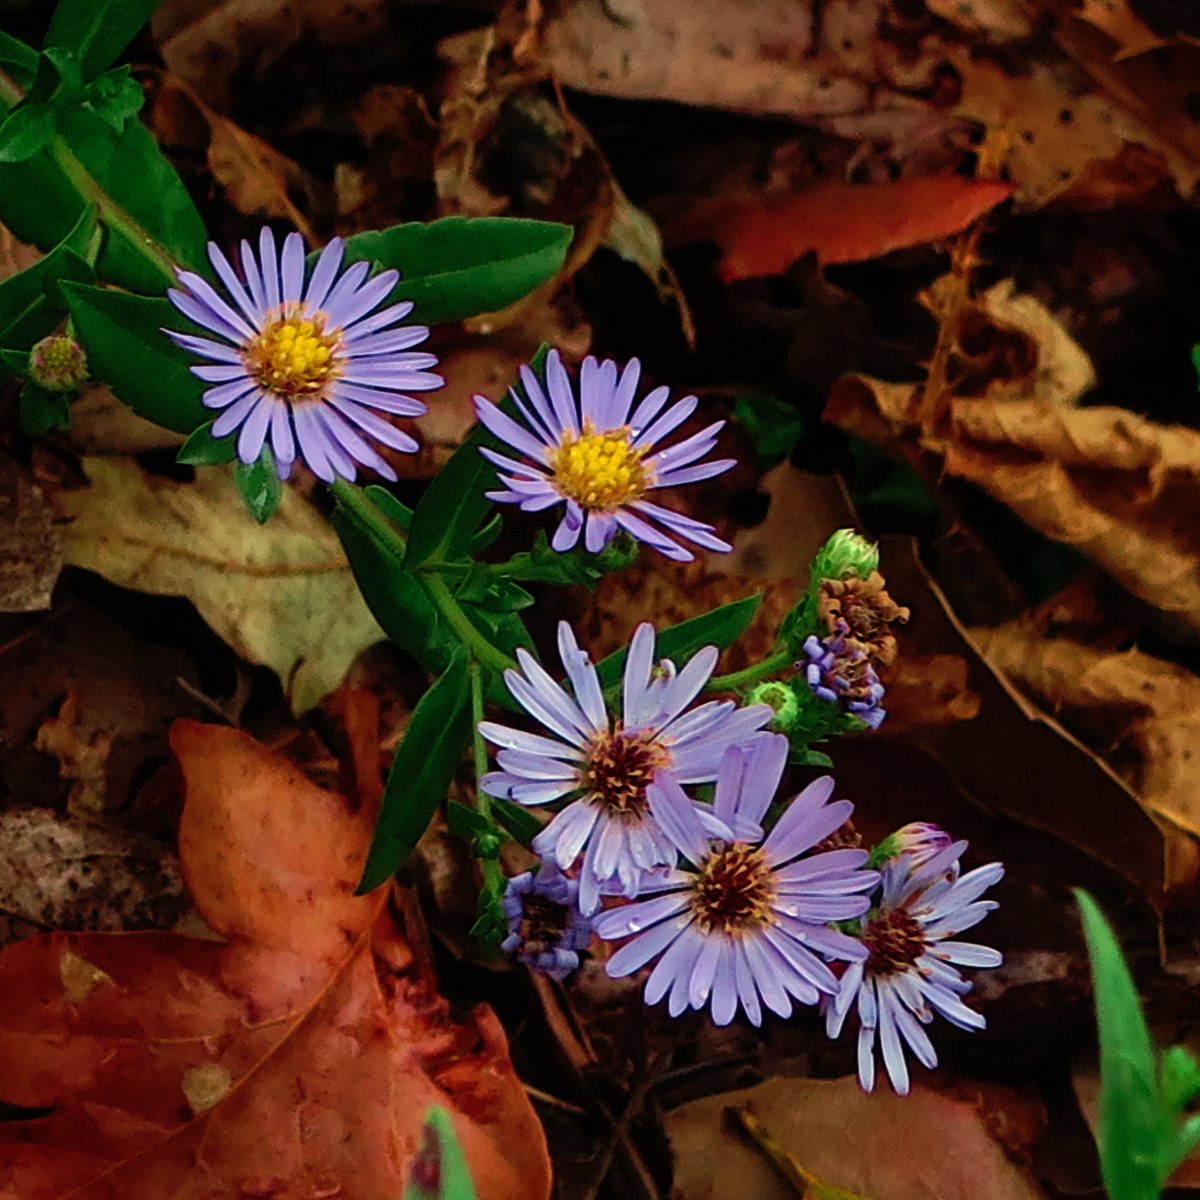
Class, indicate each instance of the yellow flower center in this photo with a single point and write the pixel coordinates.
(599, 470)
(734, 890)
(293, 356)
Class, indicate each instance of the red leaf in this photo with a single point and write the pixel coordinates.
(296, 1055)
(847, 222)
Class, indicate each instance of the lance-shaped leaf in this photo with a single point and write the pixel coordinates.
(97, 30)
(127, 349)
(721, 627)
(460, 266)
(425, 762)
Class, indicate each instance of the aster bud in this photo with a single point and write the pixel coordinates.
(846, 555)
(781, 699)
(58, 364)
(919, 841)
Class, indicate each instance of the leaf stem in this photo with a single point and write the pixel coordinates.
(107, 209)
(747, 676)
(482, 651)
(493, 876)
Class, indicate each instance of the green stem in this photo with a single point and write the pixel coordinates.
(493, 876)
(110, 212)
(482, 651)
(107, 209)
(747, 676)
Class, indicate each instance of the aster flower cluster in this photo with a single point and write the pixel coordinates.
(727, 915)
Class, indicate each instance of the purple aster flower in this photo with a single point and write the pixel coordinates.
(546, 930)
(910, 971)
(919, 840)
(305, 366)
(610, 760)
(841, 673)
(749, 925)
(597, 455)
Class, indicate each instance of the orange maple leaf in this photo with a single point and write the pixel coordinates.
(294, 1057)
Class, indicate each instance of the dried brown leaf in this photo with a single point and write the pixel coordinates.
(30, 542)
(1143, 710)
(925, 1146)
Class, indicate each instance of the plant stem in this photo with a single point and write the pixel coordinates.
(107, 209)
(482, 651)
(737, 680)
(493, 876)
(110, 212)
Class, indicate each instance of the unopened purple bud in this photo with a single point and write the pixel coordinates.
(58, 364)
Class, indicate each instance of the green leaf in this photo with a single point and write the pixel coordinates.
(439, 1171)
(517, 819)
(1129, 1129)
(20, 60)
(25, 131)
(41, 411)
(31, 305)
(460, 266)
(720, 627)
(137, 193)
(395, 510)
(453, 505)
(116, 98)
(203, 450)
(392, 592)
(259, 486)
(126, 347)
(425, 763)
(97, 30)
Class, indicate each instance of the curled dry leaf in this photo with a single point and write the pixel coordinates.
(925, 1146)
(82, 750)
(1143, 711)
(257, 178)
(297, 1056)
(281, 594)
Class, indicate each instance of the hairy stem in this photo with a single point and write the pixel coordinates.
(748, 676)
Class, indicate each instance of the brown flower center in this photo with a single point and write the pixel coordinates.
(543, 922)
(733, 891)
(845, 837)
(895, 940)
(620, 767)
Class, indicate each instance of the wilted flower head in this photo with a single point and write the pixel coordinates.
(748, 924)
(546, 930)
(597, 456)
(863, 607)
(609, 761)
(910, 971)
(305, 367)
(58, 364)
(841, 673)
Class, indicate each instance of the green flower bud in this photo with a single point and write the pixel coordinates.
(58, 364)
(846, 555)
(782, 699)
(618, 554)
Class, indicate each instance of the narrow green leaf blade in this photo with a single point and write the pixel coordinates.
(453, 505)
(425, 762)
(19, 59)
(393, 593)
(461, 266)
(203, 450)
(720, 627)
(439, 1171)
(126, 347)
(97, 30)
(30, 303)
(1129, 1134)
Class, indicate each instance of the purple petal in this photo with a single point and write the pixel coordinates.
(324, 273)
